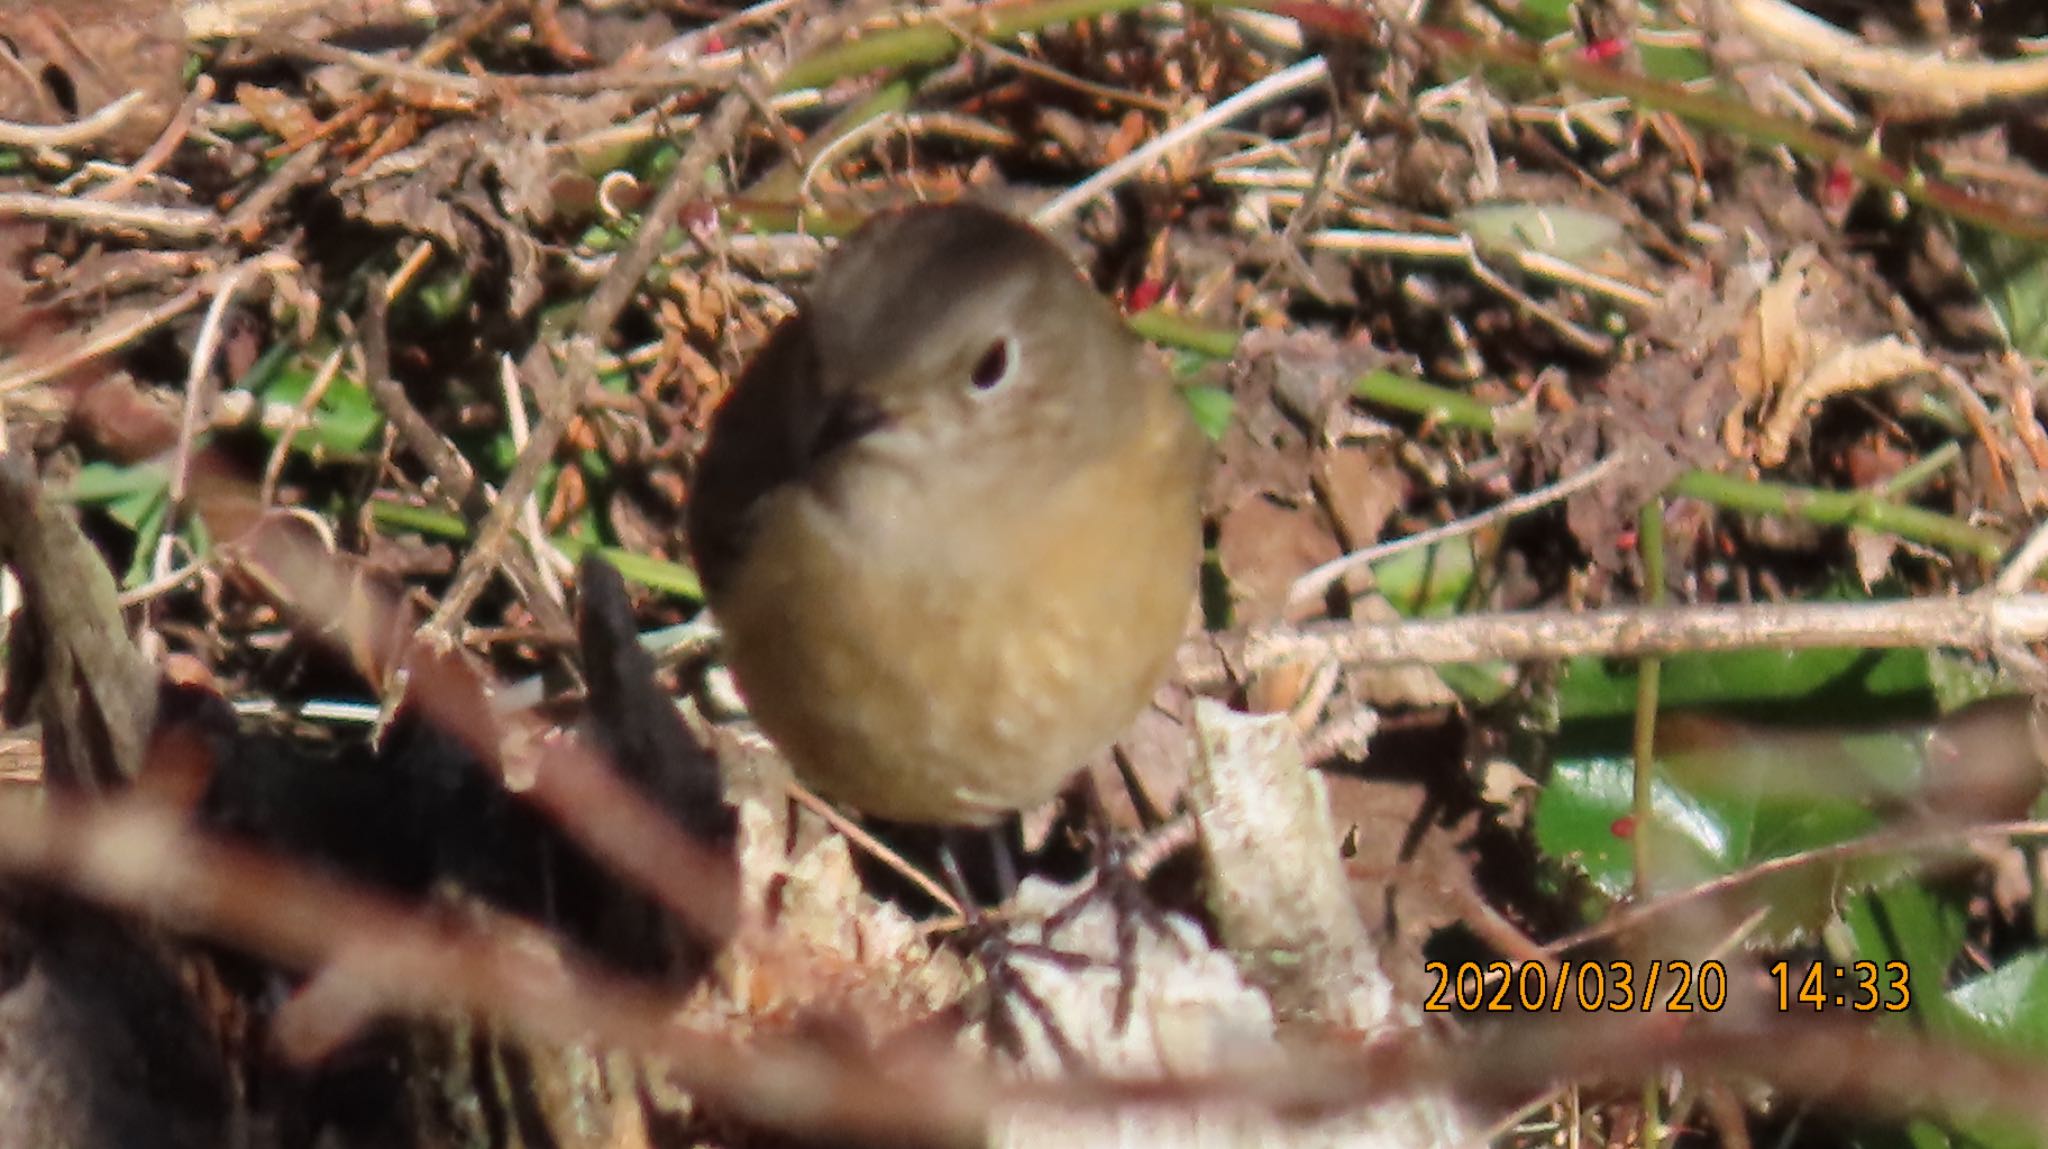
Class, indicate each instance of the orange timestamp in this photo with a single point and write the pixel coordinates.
(1588, 986)
(1858, 986)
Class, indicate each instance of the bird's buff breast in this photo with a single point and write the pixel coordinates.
(960, 655)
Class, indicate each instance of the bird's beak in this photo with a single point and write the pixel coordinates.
(841, 421)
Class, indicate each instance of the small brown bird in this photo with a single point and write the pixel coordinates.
(947, 521)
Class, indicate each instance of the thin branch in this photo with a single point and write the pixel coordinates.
(112, 335)
(1922, 840)
(19, 135)
(199, 384)
(1922, 84)
(1977, 622)
(1316, 581)
(714, 136)
(98, 215)
(494, 536)
(166, 144)
(1289, 80)
(439, 456)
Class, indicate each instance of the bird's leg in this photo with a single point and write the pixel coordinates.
(996, 951)
(1113, 878)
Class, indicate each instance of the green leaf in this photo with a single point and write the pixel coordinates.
(1569, 233)
(1723, 804)
(2006, 1008)
(1846, 683)
(1212, 408)
(1909, 923)
(2008, 1005)
(101, 482)
(650, 572)
(149, 529)
(653, 573)
(1479, 683)
(345, 421)
(268, 366)
(2013, 276)
(1429, 580)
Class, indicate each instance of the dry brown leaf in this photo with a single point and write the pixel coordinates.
(1858, 368)
(1362, 486)
(1789, 359)
(64, 62)
(1772, 348)
(1263, 546)
(275, 112)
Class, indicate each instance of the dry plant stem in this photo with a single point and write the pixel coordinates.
(227, 19)
(1917, 84)
(139, 860)
(1981, 419)
(97, 692)
(448, 466)
(1303, 74)
(494, 534)
(1311, 586)
(161, 585)
(301, 417)
(2021, 569)
(713, 137)
(1926, 840)
(548, 561)
(18, 135)
(111, 336)
(440, 457)
(922, 40)
(199, 385)
(1703, 108)
(1980, 621)
(1461, 249)
(400, 71)
(1278, 892)
(167, 143)
(877, 849)
(174, 223)
(1047, 72)
(1275, 885)
(243, 221)
(474, 88)
(399, 962)
(444, 42)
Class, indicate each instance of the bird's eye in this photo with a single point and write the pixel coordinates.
(995, 366)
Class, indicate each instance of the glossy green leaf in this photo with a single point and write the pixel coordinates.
(2006, 1008)
(1715, 811)
(1431, 580)
(1842, 684)
(1910, 923)
(2008, 1005)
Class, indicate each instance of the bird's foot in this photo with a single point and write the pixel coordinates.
(1118, 882)
(1010, 999)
